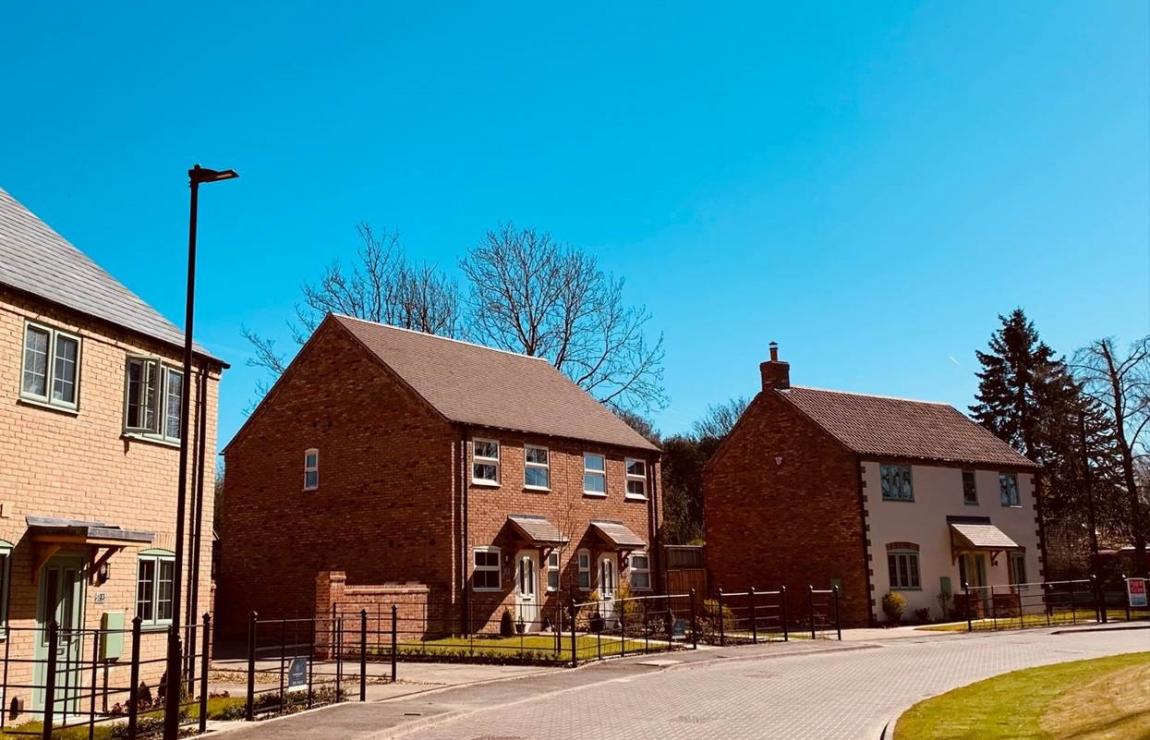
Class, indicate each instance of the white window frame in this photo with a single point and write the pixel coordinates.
(159, 429)
(311, 468)
(50, 366)
(581, 557)
(553, 567)
(497, 569)
(5, 584)
(974, 477)
(1016, 500)
(633, 571)
(910, 476)
(635, 478)
(592, 471)
(156, 557)
(904, 553)
(546, 467)
(477, 460)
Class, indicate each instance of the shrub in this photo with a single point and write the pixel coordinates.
(708, 618)
(922, 616)
(506, 624)
(893, 605)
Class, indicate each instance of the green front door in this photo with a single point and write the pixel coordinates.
(62, 599)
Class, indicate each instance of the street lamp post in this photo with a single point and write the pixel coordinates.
(196, 176)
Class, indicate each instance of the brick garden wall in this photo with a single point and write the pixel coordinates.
(793, 522)
(334, 598)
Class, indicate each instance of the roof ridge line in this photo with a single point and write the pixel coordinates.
(437, 336)
(868, 395)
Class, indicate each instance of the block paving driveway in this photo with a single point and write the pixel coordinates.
(775, 691)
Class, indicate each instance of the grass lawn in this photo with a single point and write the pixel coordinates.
(536, 647)
(77, 729)
(1100, 698)
(1057, 619)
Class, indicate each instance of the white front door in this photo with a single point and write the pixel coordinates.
(527, 590)
(608, 573)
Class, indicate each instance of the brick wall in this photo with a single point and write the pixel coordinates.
(334, 597)
(383, 510)
(782, 508)
(80, 465)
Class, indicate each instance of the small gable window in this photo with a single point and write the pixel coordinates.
(311, 469)
(969, 488)
(1008, 488)
(896, 483)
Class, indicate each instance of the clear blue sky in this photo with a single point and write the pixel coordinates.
(867, 183)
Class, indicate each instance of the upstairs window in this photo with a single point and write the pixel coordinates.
(640, 565)
(155, 575)
(1008, 488)
(51, 368)
(896, 483)
(553, 571)
(486, 575)
(969, 488)
(903, 566)
(636, 478)
(536, 468)
(154, 403)
(594, 474)
(311, 469)
(583, 559)
(485, 461)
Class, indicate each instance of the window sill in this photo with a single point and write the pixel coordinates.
(970, 503)
(898, 500)
(634, 497)
(484, 483)
(905, 589)
(536, 489)
(311, 490)
(487, 590)
(1012, 506)
(593, 494)
(48, 406)
(158, 441)
(155, 627)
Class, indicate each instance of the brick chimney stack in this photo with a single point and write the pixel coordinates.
(776, 374)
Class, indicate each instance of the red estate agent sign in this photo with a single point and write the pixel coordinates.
(1136, 592)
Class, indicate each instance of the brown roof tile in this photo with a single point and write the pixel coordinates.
(896, 428)
(472, 384)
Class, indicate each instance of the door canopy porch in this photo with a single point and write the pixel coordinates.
(980, 536)
(617, 536)
(536, 531)
(50, 534)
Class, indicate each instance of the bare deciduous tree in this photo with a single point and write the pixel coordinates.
(382, 286)
(1121, 385)
(533, 295)
(720, 419)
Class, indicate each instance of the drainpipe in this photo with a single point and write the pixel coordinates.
(465, 602)
(198, 521)
(656, 552)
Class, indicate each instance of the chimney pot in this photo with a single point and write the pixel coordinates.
(776, 374)
(774, 351)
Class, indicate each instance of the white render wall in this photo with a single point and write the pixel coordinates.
(938, 494)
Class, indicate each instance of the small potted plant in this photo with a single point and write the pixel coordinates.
(595, 621)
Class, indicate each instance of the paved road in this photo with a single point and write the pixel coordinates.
(830, 695)
(803, 689)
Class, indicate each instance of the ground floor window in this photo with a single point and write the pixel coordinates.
(1017, 567)
(903, 565)
(553, 571)
(486, 576)
(640, 565)
(584, 562)
(155, 575)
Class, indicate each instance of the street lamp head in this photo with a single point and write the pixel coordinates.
(200, 174)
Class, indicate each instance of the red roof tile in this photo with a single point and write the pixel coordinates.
(472, 384)
(895, 428)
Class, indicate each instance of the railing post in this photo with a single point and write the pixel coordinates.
(96, 637)
(993, 609)
(1126, 595)
(811, 607)
(363, 654)
(574, 650)
(1073, 604)
(311, 661)
(1099, 611)
(783, 598)
(205, 647)
(134, 677)
(722, 627)
(250, 706)
(838, 622)
(622, 628)
(966, 594)
(338, 659)
(754, 619)
(694, 623)
(50, 679)
(394, 641)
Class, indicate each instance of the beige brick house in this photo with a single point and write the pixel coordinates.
(89, 433)
(486, 479)
(869, 493)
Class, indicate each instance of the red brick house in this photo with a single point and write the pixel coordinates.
(869, 493)
(394, 456)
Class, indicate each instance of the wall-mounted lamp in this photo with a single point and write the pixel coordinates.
(103, 572)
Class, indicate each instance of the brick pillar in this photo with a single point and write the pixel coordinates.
(330, 586)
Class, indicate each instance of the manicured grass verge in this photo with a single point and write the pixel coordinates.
(219, 707)
(525, 648)
(1057, 619)
(1104, 697)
